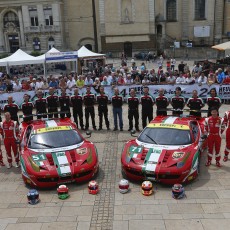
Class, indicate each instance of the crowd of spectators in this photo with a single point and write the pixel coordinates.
(124, 75)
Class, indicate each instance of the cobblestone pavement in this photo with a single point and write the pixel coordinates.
(207, 205)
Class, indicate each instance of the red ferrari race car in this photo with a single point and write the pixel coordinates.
(53, 152)
(168, 150)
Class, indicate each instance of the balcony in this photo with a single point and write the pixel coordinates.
(42, 29)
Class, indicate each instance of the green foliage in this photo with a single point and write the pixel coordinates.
(36, 53)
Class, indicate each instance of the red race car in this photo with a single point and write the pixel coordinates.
(168, 150)
(53, 152)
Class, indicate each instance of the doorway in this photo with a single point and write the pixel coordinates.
(128, 50)
(159, 30)
(13, 43)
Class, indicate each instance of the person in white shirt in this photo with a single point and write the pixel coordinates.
(71, 83)
(173, 63)
(202, 80)
(171, 80)
(105, 81)
(145, 81)
(189, 80)
(128, 80)
(180, 79)
(109, 77)
(39, 84)
(17, 86)
(33, 84)
(89, 80)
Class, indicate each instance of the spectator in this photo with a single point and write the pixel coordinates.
(134, 70)
(2, 86)
(189, 80)
(171, 80)
(120, 80)
(128, 80)
(202, 80)
(26, 85)
(45, 84)
(88, 80)
(33, 84)
(53, 83)
(180, 79)
(173, 63)
(71, 83)
(145, 81)
(17, 86)
(39, 84)
(197, 68)
(62, 83)
(137, 80)
(96, 85)
(181, 67)
(143, 67)
(9, 85)
(105, 81)
(211, 79)
(80, 82)
(220, 76)
(109, 77)
(206, 67)
(114, 79)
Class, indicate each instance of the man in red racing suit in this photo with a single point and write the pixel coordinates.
(214, 127)
(9, 129)
(227, 124)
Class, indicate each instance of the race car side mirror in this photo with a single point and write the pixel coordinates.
(132, 132)
(88, 133)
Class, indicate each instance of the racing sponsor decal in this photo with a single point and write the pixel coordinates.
(170, 126)
(52, 129)
(133, 151)
(51, 123)
(39, 158)
(62, 163)
(151, 160)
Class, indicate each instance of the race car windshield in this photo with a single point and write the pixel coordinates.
(165, 136)
(55, 139)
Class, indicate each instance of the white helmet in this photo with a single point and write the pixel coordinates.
(123, 186)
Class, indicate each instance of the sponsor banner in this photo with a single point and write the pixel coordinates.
(61, 56)
(203, 91)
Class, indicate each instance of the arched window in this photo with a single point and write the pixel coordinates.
(171, 10)
(200, 9)
(36, 44)
(89, 47)
(11, 17)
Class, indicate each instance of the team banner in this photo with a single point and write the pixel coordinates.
(203, 91)
(61, 56)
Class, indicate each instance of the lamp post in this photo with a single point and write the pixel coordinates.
(94, 25)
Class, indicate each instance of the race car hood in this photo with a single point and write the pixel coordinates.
(62, 162)
(149, 156)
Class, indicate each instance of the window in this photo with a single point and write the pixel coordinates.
(51, 43)
(48, 15)
(199, 9)
(33, 16)
(171, 10)
(36, 44)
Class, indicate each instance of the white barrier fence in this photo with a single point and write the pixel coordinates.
(203, 91)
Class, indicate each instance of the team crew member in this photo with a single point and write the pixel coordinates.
(133, 112)
(64, 101)
(103, 100)
(40, 104)
(227, 124)
(213, 101)
(177, 102)
(1, 157)
(52, 103)
(214, 127)
(12, 108)
(10, 134)
(117, 102)
(27, 108)
(88, 100)
(77, 102)
(195, 103)
(162, 103)
(147, 103)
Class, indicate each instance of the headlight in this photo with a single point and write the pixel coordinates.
(177, 155)
(90, 156)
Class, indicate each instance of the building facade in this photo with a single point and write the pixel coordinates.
(31, 25)
(122, 25)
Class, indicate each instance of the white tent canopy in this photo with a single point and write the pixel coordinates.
(83, 52)
(19, 58)
(222, 47)
(43, 56)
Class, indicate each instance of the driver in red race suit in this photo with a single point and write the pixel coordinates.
(214, 127)
(227, 124)
(9, 128)
(1, 157)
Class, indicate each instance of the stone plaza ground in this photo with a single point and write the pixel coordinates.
(206, 206)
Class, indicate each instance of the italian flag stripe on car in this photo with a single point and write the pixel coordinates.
(51, 123)
(170, 120)
(62, 163)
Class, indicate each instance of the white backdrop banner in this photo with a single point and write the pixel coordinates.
(203, 91)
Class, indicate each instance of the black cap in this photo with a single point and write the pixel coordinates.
(178, 88)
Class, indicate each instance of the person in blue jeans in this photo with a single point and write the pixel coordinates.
(117, 102)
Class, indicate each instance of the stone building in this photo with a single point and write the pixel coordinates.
(31, 25)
